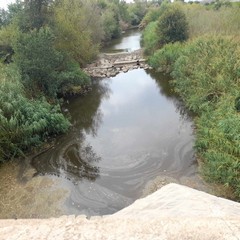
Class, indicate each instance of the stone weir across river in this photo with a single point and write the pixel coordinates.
(110, 64)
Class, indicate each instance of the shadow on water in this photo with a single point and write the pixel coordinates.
(166, 88)
(125, 133)
(72, 157)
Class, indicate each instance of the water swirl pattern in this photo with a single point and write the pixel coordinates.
(126, 132)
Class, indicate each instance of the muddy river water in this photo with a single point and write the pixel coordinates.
(129, 135)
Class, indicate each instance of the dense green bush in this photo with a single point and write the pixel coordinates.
(43, 68)
(218, 143)
(150, 39)
(163, 59)
(208, 68)
(203, 21)
(24, 122)
(111, 26)
(154, 13)
(151, 16)
(37, 59)
(206, 75)
(137, 11)
(172, 25)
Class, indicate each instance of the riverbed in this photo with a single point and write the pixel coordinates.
(130, 135)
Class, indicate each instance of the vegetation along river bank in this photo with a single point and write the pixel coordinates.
(199, 46)
(129, 133)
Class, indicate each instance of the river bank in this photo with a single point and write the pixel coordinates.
(130, 135)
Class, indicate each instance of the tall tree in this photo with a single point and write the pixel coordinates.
(78, 29)
(35, 14)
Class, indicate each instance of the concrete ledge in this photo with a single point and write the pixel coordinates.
(173, 212)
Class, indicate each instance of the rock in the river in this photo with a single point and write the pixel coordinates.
(120, 62)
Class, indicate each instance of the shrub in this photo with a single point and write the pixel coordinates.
(206, 75)
(150, 39)
(203, 21)
(218, 139)
(172, 25)
(163, 60)
(43, 68)
(152, 16)
(37, 59)
(208, 68)
(207, 78)
(23, 122)
(111, 26)
(154, 13)
(71, 78)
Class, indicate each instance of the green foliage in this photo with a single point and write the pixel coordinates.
(71, 80)
(78, 29)
(7, 16)
(218, 143)
(163, 59)
(172, 25)
(216, 5)
(38, 60)
(35, 14)
(206, 72)
(237, 104)
(210, 66)
(151, 16)
(7, 37)
(203, 21)
(23, 122)
(150, 38)
(111, 26)
(137, 12)
(3, 17)
(154, 13)
(50, 40)
(43, 68)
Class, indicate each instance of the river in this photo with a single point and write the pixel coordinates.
(129, 136)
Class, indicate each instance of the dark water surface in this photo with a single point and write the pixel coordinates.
(129, 133)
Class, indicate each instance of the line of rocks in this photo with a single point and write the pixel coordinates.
(109, 65)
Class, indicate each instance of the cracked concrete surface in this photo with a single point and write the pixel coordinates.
(173, 212)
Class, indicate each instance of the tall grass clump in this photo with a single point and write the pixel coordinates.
(218, 144)
(23, 122)
(206, 74)
(150, 39)
(208, 69)
(163, 59)
(202, 21)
